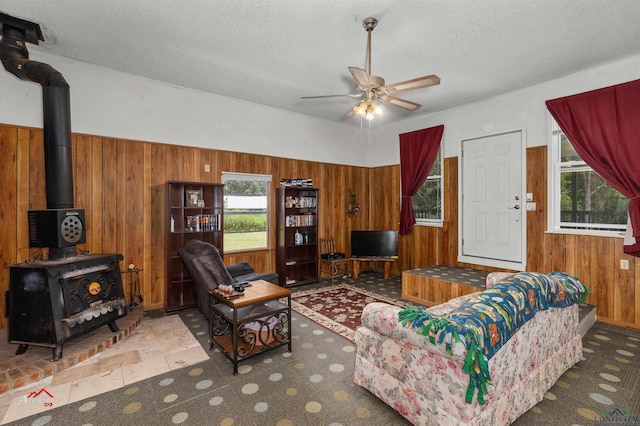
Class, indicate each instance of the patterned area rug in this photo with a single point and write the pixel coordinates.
(338, 307)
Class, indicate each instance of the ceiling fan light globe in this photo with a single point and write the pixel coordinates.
(377, 110)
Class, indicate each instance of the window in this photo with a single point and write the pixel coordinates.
(427, 203)
(582, 200)
(246, 211)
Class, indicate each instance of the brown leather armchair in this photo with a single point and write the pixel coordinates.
(207, 269)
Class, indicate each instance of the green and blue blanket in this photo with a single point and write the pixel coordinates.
(487, 321)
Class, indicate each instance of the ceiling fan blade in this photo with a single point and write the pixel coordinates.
(416, 83)
(350, 113)
(402, 103)
(361, 77)
(350, 95)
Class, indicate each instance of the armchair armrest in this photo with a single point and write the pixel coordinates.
(240, 268)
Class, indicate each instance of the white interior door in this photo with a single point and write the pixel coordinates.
(492, 215)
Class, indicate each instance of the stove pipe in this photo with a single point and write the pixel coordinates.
(55, 105)
(56, 113)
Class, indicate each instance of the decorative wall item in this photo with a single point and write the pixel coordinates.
(353, 207)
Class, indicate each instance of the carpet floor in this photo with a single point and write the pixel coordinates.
(313, 385)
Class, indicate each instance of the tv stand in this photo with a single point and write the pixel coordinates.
(355, 264)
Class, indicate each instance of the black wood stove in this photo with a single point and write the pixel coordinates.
(54, 300)
(51, 302)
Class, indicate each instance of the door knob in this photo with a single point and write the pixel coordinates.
(517, 207)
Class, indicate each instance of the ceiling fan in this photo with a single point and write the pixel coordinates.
(372, 88)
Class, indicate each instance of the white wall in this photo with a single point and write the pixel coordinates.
(109, 103)
(114, 104)
(522, 109)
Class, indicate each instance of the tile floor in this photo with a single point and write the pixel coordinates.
(35, 364)
(94, 363)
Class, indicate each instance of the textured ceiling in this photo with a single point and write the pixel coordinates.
(272, 52)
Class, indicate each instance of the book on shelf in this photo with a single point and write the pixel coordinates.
(300, 202)
(203, 222)
(296, 183)
(296, 220)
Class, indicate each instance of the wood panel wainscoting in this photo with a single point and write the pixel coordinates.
(432, 291)
(120, 184)
(595, 260)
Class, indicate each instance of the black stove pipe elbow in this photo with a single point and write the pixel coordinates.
(15, 58)
(56, 112)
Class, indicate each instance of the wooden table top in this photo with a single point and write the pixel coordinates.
(260, 291)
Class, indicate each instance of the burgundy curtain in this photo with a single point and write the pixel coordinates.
(418, 152)
(603, 127)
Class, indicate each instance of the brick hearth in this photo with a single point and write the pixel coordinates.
(35, 364)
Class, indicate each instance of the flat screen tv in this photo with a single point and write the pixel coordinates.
(374, 243)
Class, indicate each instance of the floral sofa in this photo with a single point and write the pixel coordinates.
(480, 359)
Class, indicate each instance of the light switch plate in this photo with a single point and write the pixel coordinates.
(531, 207)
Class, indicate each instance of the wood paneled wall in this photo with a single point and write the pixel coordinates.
(595, 260)
(120, 184)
